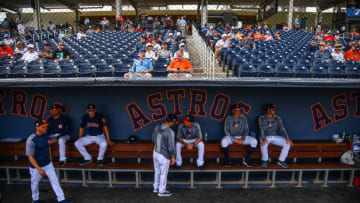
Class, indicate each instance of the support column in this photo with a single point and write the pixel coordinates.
(77, 20)
(118, 5)
(204, 12)
(318, 20)
(136, 14)
(36, 15)
(291, 11)
(198, 13)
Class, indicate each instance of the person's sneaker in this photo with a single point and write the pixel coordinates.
(264, 164)
(36, 201)
(62, 163)
(177, 167)
(201, 167)
(65, 201)
(247, 163)
(282, 164)
(165, 194)
(228, 164)
(84, 162)
(155, 190)
(101, 163)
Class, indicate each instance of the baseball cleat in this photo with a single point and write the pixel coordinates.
(62, 163)
(84, 162)
(101, 162)
(36, 201)
(247, 163)
(228, 164)
(282, 164)
(65, 201)
(177, 167)
(165, 194)
(264, 164)
(201, 167)
(155, 190)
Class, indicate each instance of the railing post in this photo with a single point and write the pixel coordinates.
(326, 176)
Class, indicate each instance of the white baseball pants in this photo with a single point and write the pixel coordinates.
(100, 140)
(62, 145)
(278, 141)
(201, 149)
(161, 166)
(226, 141)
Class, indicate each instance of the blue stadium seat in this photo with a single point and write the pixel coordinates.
(301, 71)
(66, 62)
(236, 65)
(105, 71)
(319, 71)
(351, 64)
(69, 71)
(336, 72)
(284, 71)
(87, 70)
(160, 70)
(305, 62)
(52, 71)
(272, 62)
(256, 62)
(35, 71)
(246, 70)
(289, 62)
(266, 71)
(5, 71)
(18, 72)
(352, 71)
(81, 62)
(121, 69)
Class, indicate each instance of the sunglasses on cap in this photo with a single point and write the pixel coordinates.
(273, 109)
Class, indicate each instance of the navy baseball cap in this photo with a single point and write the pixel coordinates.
(55, 106)
(41, 123)
(271, 106)
(142, 49)
(91, 107)
(189, 119)
(235, 106)
(172, 118)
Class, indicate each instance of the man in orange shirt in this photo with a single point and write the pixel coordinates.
(180, 67)
(354, 33)
(258, 36)
(5, 50)
(353, 54)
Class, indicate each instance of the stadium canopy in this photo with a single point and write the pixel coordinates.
(145, 4)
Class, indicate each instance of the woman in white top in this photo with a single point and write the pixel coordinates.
(20, 49)
(149, 52)
(338, 54)
(156, 46)
(268, 36)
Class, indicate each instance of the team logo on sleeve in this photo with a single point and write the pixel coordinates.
(103, 120)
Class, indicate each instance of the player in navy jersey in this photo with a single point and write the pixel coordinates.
(59, 128)
(38, 153)
(94, 126)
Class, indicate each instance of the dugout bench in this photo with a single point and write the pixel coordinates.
(138, 160)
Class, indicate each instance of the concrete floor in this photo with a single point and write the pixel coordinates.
(21, 193)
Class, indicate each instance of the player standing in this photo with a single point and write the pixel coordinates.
(272, 131)
(236, 131)
(95, 126)
(189, 135)
(163, 154)
(38, 152)
(59, 127)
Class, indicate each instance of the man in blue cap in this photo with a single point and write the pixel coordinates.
(141, 68)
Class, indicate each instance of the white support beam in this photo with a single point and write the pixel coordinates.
(204, 12)
(291, 11)
(36, 15)
(118, 10)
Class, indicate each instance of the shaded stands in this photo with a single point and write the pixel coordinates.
(304, 157)
(288, 57)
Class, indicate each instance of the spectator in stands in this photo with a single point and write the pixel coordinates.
(258, 35)
(180, 67)
(322, 54)
(86, 21)
(353, 54)
(179, 38)
(338, 54)
(220, 44)
(286, 28)
(210, 32)
(141, 68)
(239, 35)
(104, 23)
(178, 23)
(313, 47)
(150, 54)
(169, 23)
(297, 21)
(47, 52)
(231, 35)
(250, 35)
(62, 34)
(328, 45)
(27, 37)
(141, 44)
(70, 33)
(329, 37)
(5, 23)
(303, 22)
(337, 35)
(20, 49)
(81, 35)
(182, 23)
(163, 52)
(61, 53)
(354, 33)
(268, 36)
(184, 53)
(139, 28)
(131, 28)
(156, 46)
(52, 26)
(246, 43)
(227, 26)
(156, 23)
(8, 41)
(90, 30)
(21, 28)
(266, 26)
(170, 38)
(98, 29)
(5, 50)
(277, 35)
(31, 54)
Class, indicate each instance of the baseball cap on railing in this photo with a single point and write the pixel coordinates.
(41, 123)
